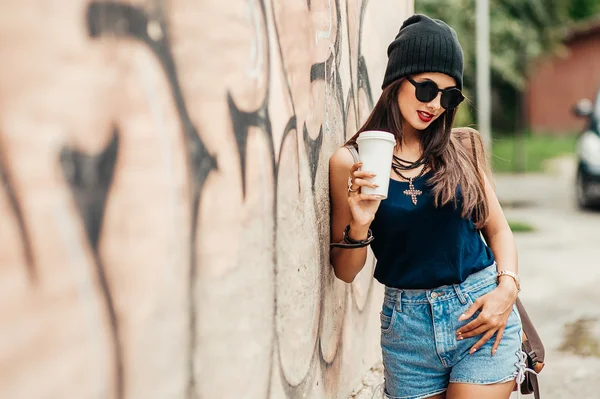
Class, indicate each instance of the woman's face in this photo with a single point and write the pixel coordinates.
(418, 114)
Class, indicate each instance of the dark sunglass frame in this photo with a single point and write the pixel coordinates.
(428, 90)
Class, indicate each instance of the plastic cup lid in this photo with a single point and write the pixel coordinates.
(376, 134)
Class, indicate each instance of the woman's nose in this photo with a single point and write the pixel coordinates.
(435, 104)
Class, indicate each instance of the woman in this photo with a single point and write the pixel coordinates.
(449, 327)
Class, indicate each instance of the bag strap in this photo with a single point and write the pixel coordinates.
(354, 152)
(538, 352)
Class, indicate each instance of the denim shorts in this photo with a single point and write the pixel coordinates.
(421, 354)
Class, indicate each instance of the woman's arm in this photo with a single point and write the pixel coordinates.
(357, 211)
(500, 239)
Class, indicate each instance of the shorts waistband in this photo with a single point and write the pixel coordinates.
(473, 282)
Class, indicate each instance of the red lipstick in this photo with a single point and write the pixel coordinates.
(425, 116)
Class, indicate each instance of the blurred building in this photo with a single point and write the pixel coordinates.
(558, 82)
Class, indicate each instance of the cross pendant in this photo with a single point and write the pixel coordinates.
(411, 192)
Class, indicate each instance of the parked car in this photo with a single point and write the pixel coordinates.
(588, 154)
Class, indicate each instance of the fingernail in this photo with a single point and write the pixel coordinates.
(376, 185)
(493, 352)
(473, 350)
(460, 338)
(462, 317)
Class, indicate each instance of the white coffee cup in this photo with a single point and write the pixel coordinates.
(375, 149)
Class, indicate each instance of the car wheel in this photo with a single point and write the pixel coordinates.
(582, 197)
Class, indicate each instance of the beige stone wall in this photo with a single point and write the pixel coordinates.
(164, 203)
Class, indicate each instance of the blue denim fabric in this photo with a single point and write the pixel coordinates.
(421, 354)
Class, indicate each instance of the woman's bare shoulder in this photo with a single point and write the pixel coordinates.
(341, 158)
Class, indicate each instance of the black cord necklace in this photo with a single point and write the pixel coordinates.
(403, 164)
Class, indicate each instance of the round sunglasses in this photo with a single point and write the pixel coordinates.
(427, 90)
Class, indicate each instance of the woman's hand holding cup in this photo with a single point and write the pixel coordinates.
(362, 206)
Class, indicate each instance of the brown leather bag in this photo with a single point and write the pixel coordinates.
(531, 345)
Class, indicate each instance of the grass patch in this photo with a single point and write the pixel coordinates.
(537, 149)
(580, 338)
(520, 227)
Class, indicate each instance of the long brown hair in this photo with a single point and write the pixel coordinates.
(450, 153)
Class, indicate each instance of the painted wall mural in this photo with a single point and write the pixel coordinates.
(164, 202)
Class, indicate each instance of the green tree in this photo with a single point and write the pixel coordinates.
(583, 9)
(520, 31)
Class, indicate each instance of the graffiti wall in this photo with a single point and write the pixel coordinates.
(164, 200)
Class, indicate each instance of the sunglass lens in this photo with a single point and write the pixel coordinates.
(426, 91)
(451, 98)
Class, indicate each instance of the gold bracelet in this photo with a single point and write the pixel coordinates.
(510, 274)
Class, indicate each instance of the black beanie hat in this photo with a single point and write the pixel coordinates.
(424, 45)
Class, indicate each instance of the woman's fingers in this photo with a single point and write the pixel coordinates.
(355, 171)
(363, 173)
(358, 178)
(471, 333)
(355, 167)
(363, 197)
(363, 183)
(471, 311)
(467, 315)
(486, 337)
(498, 339)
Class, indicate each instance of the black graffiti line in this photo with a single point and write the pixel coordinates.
(313, 150)
(115, 331)
(351, 90)
(286, 80)
(334, 62)
(241, 122)
(110, 18)
(364, 82)
(289, 127)
(318, 72)
(90, 178)
(363, 74)
(15, 207)
(339, 96)
(338, 40)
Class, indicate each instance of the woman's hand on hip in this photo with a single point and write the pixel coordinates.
(495, 309)
(362, 206)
